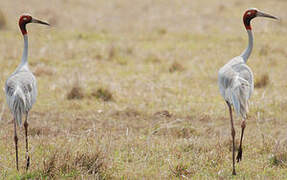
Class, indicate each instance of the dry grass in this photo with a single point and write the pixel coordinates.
(2, 20)
(181, 171)
(103, 94)
(262, 81)
(65, 163)
(42, 70)
(143, 79)
(76, 92)
(176, 67)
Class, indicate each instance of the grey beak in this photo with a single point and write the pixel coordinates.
(262, 14)
(39, 22)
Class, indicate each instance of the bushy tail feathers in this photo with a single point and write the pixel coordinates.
(239, 96)
(19, 103)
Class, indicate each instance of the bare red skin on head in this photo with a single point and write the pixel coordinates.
(24, 19)
(248, 16)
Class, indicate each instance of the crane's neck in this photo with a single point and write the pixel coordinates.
(246, 53)
(24, 61)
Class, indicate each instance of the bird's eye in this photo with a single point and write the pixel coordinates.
(249, 13)
(24, 18)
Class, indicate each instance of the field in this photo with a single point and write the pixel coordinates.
(128, 90)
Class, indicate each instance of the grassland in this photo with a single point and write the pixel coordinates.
(128, 90)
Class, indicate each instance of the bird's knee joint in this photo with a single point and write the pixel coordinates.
(232, 132)
(25, 124)
(15, 138)
(243, 124)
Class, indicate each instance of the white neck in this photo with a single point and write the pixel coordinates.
(24, 61)
(246, 53)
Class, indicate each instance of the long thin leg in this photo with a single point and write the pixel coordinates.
(233, 139)
(26, 138)
(239, 155)
(16, 144)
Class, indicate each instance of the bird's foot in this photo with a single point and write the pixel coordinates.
(239, 155)
(233, 172)
(27, 162)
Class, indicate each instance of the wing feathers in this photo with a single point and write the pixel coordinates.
(240, 95)
(21, 94)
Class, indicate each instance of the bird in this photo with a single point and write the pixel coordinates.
(236, 83)
(21, 88)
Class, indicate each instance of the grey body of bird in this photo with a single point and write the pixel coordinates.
(21, 92)
(21, 89)
(235, 81)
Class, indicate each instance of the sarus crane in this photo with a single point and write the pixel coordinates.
(21, 89)
(236, 84)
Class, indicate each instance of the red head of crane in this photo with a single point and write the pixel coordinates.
(25, 19)
(236, 84)
(21, 88)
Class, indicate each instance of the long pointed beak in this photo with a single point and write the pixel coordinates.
(39, 22)
(262, 14)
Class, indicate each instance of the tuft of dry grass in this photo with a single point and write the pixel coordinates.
(163, 113)
(76, 92)
(183, 132)
(2, 20)
(91, 163)
(180, 171)
(152, 59)
(37, 131)
(162, 31)
(278, 159)
(278, 156)
(130, 50)
(127, 113)
(176, 67)
(42, 70)
(103, 94)
(262, 81)
(61, 162)
(112, 53)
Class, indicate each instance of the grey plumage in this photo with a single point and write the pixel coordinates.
(235, 81)
(21, 89)
(21, 92)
